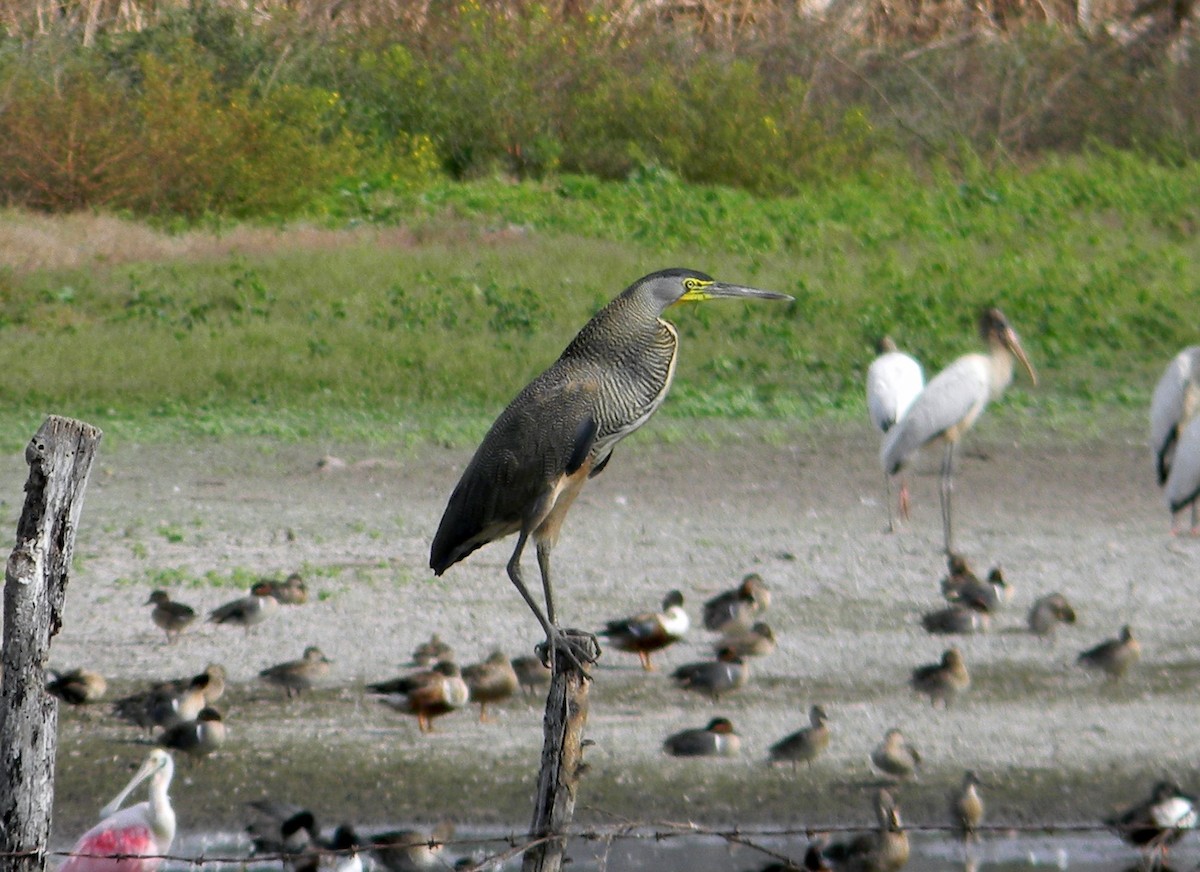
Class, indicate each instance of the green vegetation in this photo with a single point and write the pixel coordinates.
(455, 196)
(1094, 259)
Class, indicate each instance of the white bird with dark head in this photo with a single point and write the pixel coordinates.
(952, 402)
(1175, 436)
(894, 379)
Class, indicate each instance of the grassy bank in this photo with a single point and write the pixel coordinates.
(427, 312)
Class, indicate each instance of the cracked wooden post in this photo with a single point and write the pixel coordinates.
(562, 766)
(35, 584)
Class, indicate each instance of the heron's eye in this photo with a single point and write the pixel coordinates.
(692, 284)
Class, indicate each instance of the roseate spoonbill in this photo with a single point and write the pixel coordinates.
(645, 633)
(735, 610)
(952, 401)
(894, 379)
(132, 839)
(561, 430)
(1176, 450)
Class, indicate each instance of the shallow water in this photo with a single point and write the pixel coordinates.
(1080, 852)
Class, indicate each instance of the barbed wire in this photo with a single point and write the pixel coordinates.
(628, 830)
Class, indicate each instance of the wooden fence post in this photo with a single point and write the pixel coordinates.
(562, 765)
(35, 584)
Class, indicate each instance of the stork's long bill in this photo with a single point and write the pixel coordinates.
(699, 290)
(1013, 344)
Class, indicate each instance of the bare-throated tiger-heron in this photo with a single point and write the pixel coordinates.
(562, 428)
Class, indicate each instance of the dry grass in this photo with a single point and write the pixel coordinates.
(31, 242)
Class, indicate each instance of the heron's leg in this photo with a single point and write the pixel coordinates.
(946, 490)
(1196, 517)
(581, 646)
(514, 574)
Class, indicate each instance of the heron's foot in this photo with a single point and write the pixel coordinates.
(579, 647)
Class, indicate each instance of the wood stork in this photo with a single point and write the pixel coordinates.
(952, 401)
(894, 379)
(132, 839)
(1175, 443)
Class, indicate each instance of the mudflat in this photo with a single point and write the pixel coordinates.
(801, 506)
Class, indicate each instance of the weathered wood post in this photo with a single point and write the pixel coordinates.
(35, 584)
(562, 764)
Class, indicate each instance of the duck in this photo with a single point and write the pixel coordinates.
(427, 694)
(962, 586)
(758, 641)
(292, 835)
(734, 611)
(1047, 612)
(248, 610)
(804, 745)
(1114, 657)
(296, 676)
(412, 850)
(429, 654)
(714, 678)
(885, 849)
(78, 686)
(532, 673)
(956, 619)
(942, 681)
(966, 807)
(289, 592)
(164, 704)
(493, 680)
(718, 739)
(196, 738)
(895, 756)
(648, 632)
(1157, 822)
(169, 616)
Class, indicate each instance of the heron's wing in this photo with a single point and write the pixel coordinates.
(954, 396)
(1167, 406)
(548, 431)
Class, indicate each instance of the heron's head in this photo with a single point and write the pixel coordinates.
(667, 287)
(994, 328)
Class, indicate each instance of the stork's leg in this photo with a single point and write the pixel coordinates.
(905, 503)
(887, 484)
(946, 490)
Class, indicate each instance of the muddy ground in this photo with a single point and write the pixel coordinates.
(801, 506)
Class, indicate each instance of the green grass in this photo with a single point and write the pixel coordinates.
(422, 337)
